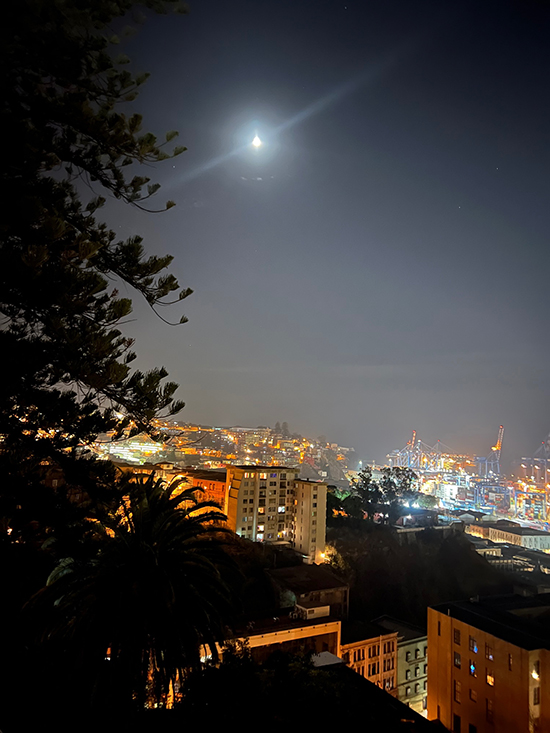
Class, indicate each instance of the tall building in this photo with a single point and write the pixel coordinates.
(269, 503)
(489, 664)
(310, 519)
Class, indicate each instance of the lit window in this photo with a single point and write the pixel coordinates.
(473, 668)
(473, 645)
(490, 677)
(489, 652)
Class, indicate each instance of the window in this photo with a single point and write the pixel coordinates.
(457, 636)
(489, 652)
(425, 669)
(439, 634)
(416, 653)
(457, 691)
(536, 670)
(472, 728)
(408, 656)
(510, 662)
(489, 710)
(407, 691)
(416, 671)
(473, 695)
(456, 723)
(536, 696)
(272, 475)
(458, 660)
(425, 685)
(417, 688)
(425, 651)
(472, 666)
(490, 677)
(473, 645)
(408, 674)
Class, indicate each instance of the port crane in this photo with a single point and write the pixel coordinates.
(491, 464)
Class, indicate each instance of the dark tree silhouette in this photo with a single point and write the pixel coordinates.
(151, 592)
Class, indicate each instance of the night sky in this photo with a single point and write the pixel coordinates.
(381, 263)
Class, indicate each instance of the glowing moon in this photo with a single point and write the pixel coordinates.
(256, 142)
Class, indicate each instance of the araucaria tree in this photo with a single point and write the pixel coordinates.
(66, 364)
(69, 142)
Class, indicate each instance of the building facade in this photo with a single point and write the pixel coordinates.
(511, 534)
(374, 658)
(412, 662)
(489, 665)
(269, 504)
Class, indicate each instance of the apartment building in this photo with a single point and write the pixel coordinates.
(512, 534)
(310, 519)
(412, 662)
(269, 503)
(489, 664)
(371, 651)
(213, 485)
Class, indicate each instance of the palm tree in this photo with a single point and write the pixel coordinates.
(153, 593)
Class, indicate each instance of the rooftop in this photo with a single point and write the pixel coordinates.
(358, 631)
(206, 474)
(303, 579)
(405, 631)
(522, 621)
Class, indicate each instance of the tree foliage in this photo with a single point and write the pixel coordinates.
(68, 366)
(386, 495)
(150, 587)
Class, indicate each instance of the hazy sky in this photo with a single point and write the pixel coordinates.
(381, 263)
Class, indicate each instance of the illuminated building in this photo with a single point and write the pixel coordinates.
(372, 653)
(268, 503)
(511, 533)
(412, 662)
(212, 483)
(138, 449)
(310, 519)
(489, 665)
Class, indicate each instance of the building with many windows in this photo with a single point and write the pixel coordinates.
(269, 504)
(489, 664)
(371, 651)
(412, 662)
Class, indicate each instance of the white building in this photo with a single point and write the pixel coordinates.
(271, 504)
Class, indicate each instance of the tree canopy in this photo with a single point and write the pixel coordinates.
(132, 613)
(68, 368)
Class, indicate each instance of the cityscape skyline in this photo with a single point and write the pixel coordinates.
(379, 263)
